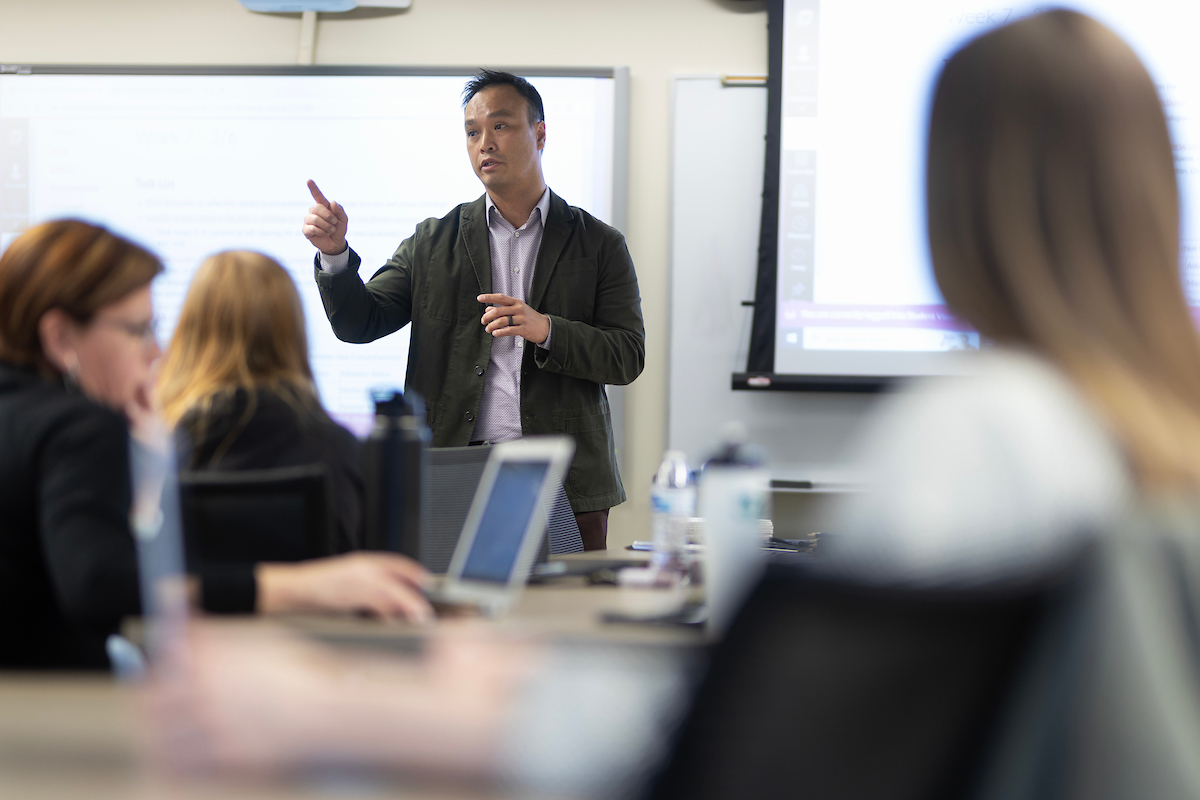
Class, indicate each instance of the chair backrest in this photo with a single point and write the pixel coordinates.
(247, 516)
(825, 687)
(1109, 703)
(562, 528)
(454, 474)
(1082, 682)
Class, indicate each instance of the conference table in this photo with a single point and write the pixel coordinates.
(66, 735)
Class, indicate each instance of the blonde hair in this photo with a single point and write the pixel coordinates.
(241, 327)
(66, 264)
(1053, 217)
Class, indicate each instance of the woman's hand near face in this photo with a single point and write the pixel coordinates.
(146, 423)
(381, 584)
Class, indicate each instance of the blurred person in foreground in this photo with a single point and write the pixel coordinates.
(1054, 227)
(1053, 222)
(77, 354)
(237, 386)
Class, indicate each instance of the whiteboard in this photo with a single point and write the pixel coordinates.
(718, 140)
(189, 161)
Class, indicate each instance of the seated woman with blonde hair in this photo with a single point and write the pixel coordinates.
(237, 385)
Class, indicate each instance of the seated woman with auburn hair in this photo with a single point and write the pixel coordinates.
(77, 350)
(237, 384)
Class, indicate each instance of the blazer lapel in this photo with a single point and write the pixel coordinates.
(554, 238)
(475, 240)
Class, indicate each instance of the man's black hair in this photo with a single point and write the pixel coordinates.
(492, 77)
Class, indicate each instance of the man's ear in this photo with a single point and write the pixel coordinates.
(55, 330)
(539, 132)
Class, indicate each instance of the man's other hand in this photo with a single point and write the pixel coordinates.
(509, 316)
(325, 224)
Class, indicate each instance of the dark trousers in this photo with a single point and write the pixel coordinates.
(593, 529)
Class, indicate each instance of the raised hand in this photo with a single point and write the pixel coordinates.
(325, 224)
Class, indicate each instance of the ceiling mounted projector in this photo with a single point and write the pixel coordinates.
(321, 6)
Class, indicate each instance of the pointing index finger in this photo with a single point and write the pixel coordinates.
(316, 193)
(496, 299)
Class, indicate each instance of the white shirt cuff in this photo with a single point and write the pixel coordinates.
(546, 344)
(335, 264)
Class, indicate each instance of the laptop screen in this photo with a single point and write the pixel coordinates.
(511, 503)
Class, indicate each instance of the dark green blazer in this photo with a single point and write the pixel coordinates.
(583, 279)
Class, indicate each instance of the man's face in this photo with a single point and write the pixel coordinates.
(505, 150)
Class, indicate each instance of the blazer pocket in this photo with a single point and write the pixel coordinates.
(442, 294)
(571, 293)
(575, 266)
(592, 471)
(596, 421)
(439, 305)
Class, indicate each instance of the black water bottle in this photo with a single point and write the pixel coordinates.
(395, 473)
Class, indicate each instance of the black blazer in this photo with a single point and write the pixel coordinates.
(68, 567)
(278, 433)
(68, 564)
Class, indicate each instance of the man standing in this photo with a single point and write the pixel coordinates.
(522, 306)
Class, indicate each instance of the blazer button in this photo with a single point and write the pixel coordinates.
(478, 370)
(470, 415)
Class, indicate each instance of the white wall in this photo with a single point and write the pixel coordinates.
(654, 38)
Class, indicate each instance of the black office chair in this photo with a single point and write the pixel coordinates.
(1082, 682)
(248, 516)
(827, 687)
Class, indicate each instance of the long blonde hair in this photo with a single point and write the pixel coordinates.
(241, 327)
(1053, 216)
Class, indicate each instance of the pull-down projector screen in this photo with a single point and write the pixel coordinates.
(844, 233)
(193, 161)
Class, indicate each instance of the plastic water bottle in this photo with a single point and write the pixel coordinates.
(395, 473)
(734, 495)
(672, 504)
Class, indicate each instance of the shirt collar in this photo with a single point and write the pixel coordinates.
(543, 205)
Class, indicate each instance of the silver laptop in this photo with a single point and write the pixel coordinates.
(504, 527)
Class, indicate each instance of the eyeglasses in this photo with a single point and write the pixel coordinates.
(145, 332)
